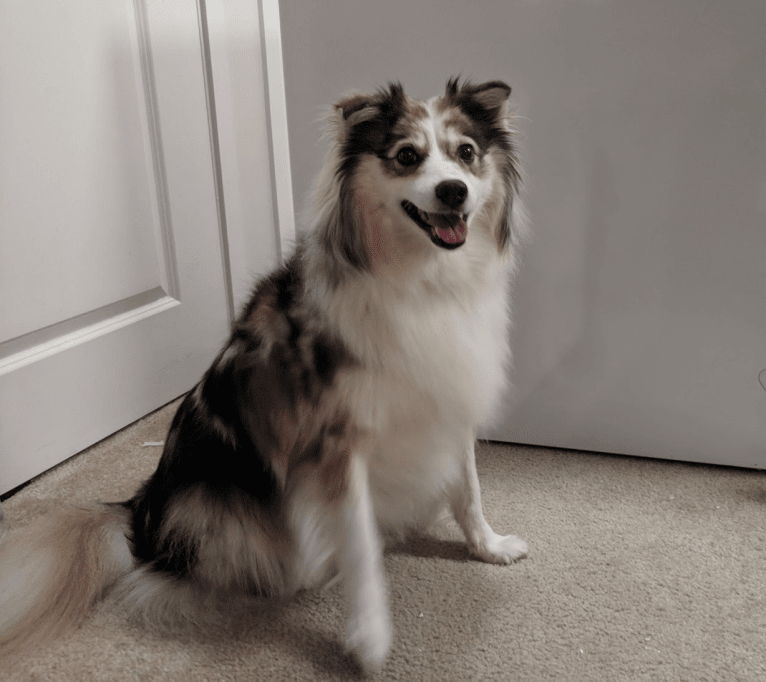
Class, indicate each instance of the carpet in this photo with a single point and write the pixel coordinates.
(639, 569)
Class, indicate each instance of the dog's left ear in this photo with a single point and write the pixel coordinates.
(490, 97)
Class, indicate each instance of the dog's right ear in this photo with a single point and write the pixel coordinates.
(357, 108)
(380, 110)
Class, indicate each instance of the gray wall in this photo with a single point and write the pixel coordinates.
(333, 46)
(641, 325)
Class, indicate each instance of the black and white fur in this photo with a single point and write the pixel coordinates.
(343, 407)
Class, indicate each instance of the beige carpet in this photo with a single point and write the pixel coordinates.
(638, 570)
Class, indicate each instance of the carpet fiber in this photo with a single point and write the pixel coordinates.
(638, 570)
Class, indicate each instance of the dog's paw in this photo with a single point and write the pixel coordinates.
(501, 549)
(369, 640)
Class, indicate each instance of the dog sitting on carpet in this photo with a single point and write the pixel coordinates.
(343, 407)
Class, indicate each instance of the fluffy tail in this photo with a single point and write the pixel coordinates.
(53, 570)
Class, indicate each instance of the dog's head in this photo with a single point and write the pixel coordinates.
(412, 175)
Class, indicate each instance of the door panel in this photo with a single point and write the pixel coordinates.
(113, 297)
(78, 195)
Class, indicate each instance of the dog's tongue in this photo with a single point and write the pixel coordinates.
(450, 227)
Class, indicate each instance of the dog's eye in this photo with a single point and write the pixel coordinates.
(407, 156)
(466, 152)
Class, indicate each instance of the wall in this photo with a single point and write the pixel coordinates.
(641, 326)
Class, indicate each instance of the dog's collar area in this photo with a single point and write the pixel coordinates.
(447, 230)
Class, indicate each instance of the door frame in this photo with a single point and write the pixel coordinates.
(258, 77)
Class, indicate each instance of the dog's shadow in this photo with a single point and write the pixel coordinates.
(289, 628)
(271, 632)
(430, 547)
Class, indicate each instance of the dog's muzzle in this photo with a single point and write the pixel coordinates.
(447, 229)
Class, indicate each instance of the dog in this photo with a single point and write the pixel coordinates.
(344, 406)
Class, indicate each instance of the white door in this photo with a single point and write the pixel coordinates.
(114, 290)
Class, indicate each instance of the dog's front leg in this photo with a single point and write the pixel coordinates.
(360, 561)
(465, 500)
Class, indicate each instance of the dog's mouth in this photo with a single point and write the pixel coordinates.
(447, 230)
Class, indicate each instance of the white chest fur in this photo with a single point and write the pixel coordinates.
(432, 370)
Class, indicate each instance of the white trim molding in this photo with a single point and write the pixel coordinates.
(247, 78)
(280, 146)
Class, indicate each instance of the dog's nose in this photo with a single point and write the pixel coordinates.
(452, 192)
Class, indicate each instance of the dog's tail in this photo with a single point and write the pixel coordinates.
(52, 571)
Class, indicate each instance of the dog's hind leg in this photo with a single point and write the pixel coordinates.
(465, 500)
